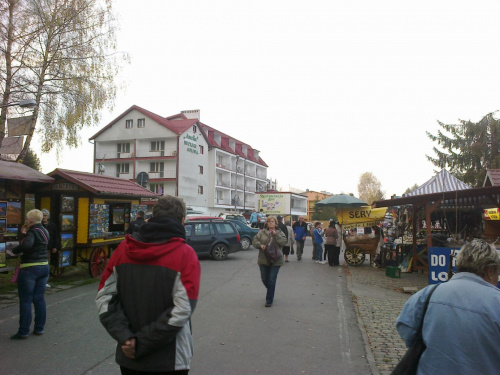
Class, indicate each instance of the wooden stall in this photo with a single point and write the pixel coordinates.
(18, 182)
(92, 213)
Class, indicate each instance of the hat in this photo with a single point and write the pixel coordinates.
(279, 217)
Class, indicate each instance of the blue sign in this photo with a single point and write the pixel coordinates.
(439, 260)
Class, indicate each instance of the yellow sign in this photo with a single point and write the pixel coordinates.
(492, 214)
(361, 215)
(272, 204)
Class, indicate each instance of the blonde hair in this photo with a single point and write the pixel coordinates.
(35, 215)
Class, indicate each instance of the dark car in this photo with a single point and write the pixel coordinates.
(215, 237)
(247, 233)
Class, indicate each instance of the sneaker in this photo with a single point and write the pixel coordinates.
(38, 333)
(268, 304)
(17, 336)
(48, 286)
(324, 262)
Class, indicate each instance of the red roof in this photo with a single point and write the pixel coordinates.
(179, 124)
(11, 170)
(225, 144)
(103, 185)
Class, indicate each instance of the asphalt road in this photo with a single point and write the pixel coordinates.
(311, 328)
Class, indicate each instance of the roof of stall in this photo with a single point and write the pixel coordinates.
(483, 197)
(442, 181)
(103, 185)
(11, 170)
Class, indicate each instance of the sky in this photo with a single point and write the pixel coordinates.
(325, 90)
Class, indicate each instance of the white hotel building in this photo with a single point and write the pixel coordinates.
(179, 155)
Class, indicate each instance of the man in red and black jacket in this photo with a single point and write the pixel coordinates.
(148, 293)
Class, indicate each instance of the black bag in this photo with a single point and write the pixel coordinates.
(409, 363)
(272, 251)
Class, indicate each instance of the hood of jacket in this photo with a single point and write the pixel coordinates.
(158, 236)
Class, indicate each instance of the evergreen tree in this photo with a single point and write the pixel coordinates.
(32, 160)
(468, 149)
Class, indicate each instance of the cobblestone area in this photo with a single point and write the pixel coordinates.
(378, 300)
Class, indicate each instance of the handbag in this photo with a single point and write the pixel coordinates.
(408, 365)
(272, 251)
(15, 275)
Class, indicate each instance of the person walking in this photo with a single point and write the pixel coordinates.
(378, 233)
(331, 236)
(270, 234)
(300, 233)
(148, 293)
(254, 219)
(462, 324)
(318, 242)
(284, 229)
(33, 275)
(261, 218)
(137, 223)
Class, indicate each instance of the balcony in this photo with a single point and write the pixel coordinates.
(222, 201)
(220, 165)
(222, 183)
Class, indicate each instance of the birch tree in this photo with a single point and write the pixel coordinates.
(68, 65)
(369, 188)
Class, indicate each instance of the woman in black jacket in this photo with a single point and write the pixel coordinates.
(33, 275)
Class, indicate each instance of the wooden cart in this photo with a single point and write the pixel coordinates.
(357, 247)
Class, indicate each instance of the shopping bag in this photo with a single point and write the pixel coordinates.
(15, 275)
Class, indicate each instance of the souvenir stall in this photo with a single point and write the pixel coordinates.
(18, 182)
(439, 223)
(92, 213)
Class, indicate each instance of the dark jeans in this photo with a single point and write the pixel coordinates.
(269, 274)
(319, 251)
(31, 288)
(127, 371)
(333, 254)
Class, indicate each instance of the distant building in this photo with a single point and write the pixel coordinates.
(312, 198)
(179, 155)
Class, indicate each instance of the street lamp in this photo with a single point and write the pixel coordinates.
(29, 103)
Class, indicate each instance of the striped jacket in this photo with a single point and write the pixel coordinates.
(148, 292)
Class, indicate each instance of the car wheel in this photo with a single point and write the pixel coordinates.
(219, 251)
(245, 243)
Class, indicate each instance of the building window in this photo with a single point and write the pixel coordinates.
(158, 146)
(201, 149)
(156, 188)
(122, 168)
(123, 148)
(200, 189)
(141, 123)
(201, 168)
(194, 128)
(157, 167)
(129, 124)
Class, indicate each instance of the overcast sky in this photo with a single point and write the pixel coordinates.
(326, 90)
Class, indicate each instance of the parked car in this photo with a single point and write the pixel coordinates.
(233, 216)
(212, 236)
(246, 233)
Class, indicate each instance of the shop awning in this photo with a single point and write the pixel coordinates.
(441, 182)
(11, 170)
(103, 185)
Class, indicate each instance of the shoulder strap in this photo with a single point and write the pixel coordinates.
(43, 234)
(425, 307)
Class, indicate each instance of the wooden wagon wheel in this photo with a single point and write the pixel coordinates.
(56, 271)
(97, 262)
(354, 256)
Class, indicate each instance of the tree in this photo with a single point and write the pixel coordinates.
(410, 189)
(468, 149)
(369, 188)
(65, 60)
(32, 161)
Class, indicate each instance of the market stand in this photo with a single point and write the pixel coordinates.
(92, 212)
(18, 182)
(477, 198)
